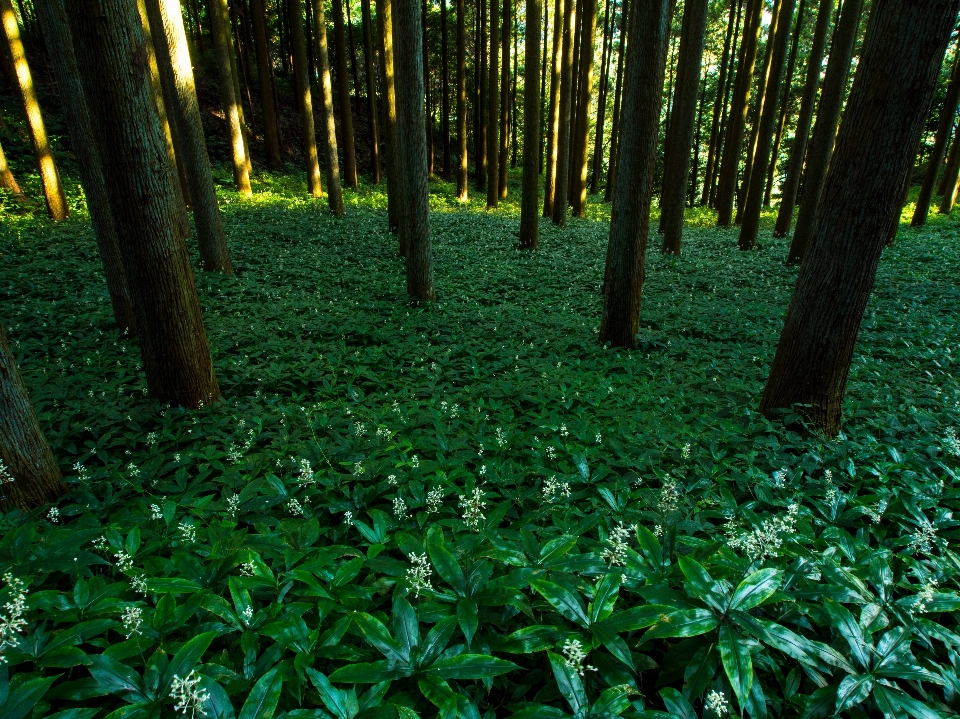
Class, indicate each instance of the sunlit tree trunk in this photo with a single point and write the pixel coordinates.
(493, 108)
(231, 101)
(605, 53)
(480, 130)
(7, 180)
(825, 129)
(503, 160)
(304, 99)
(553, 112)
(718, 103)
(786, 102)
(176, 71)
(617, 100)
(463, 192)
(896, 77)
(31, 477)
(947, 117)
(412, 143)
(428, 107)
(445, 92)
(581, 139)
(271, 133)
(343, 92)
(141, 187)
(561, 189)
(798, 150)
(630, 215)
(368, 61)
(49, 175)
(724, 110)
(328, 133)
(530, 197)
(950, 180)
(385, 36)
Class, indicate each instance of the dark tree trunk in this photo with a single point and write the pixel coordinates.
(368, 64)
(719, 104)
(480, 131)
(271, 133)
(947, 117)
(728, 91)
(463, 192)
(301, 73)
(630, 215)
(562, 169)
(493, 108)
(503, 159)
(605, 52)
(219, 26)
(445, 93)
(8, 181)
(413, 151)
(544, 62)
(798, 150)
(581, 140)
(141, 187)
(950, 177)
(530, 197)
(353, 58)
(513, 96)
(896, 77)
(56, 33)
(328, 134)
(617, 96)
(676, 161)
(753, 204)
(426, 84)
(825, 129)
(343, 93)
(553, 112)
(388, 83)
(282, 31)
(30, 475)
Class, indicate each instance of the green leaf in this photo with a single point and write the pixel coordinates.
(217, 705)
(117, 678)
(737, 663)
(334, 699)
(22, 699)
(185, 660)
(636, 618)
(563, 600)
(377, 634)
(569, 683)
(755, 589)
(470, 666)
(613, 702)
(853, 690)
(677, 704)
(263, 698)
(444, 562)
(405, 625)
(539, 711)
(436, 640)
(371, 673)
(700, 584)
(684, 623)
(605, 595)
(172, 585)
(530, 639)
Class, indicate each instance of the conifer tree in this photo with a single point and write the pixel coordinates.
(343, 92)
(271, 132)
(301, 74)
(530, 198)
(328, 131)
(220, 29)
(463, 191)
(948, 115)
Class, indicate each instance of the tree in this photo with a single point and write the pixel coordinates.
(895, 79)
(394, 206)
(7, 180)
(530, 197)
(768, 120)
(480, 78)
(49, 175)
(371, 90)
(580, 153)
(503, 160)
(493, 108)
(176, 72)
(343, 92)
(271, 133)
(719, 104)
(617, 94)
(630, 214)
(444, 92)
(328, 134)
(825, 129)
(553, 112)
(301, 74)
(412, 143)
(798, 151)
(428, 108)
(947, 116)
(141, 187)
(950, 180)
(562, 170)
(605, 53)
(463, 192)
(676, 163)
(29, 475)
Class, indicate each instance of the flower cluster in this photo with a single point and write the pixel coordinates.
(924, 596)
(574, 655)
(5, 476)
(716, 703)
(951, 443)
(188, 533)
(418, 575)
(399, 508)
(305, 474)
(132, 618)
(553, 489)
(617, 545)
(669, 500)
(472, 508)
(434, 500)
(922, 540)
(765, 540)
(12, 621)
(188, 695)
(293, 506)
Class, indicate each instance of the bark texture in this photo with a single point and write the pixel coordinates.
(530, 197)
(786, 103)
(271, 133)
(950, 180)
(553, 112)
(7, 180)
(493, 108)
(503, 160)
(371, 90)
(343, 92)
(719, 104)
(581, 140)
(304, 99)
(445, 92)
(394, 206)
(561, 187)
(220, 29)
(895, 80)
(328, 133)
(463, 192)
(935, 159)
(617, 97)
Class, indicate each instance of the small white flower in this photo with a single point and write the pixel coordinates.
(951, 444)
(138, 584)
(434, 500)
(399, 508)
(358, 468)
(553, 489)
(133, 470)
(54, 515)
(599, 438)
(617, 544)
(717, 703)
(501, 437)
(246, 569)
(472, 506)
(574, 655)
(780, 478)
(151, 439)
(124, 561)
(563, 430)
(359, 429)
(348, 518)
(415, 461)
(418, 575)
(551, 452)
(392, 480)
(156, 512)
(293, 506)
(247, 614)
(685, 452)
(922, 540)
(132, 618)
(100, 543)
(5, 476)
(924, 596)
(306, 473)
(12, 621)
(233, 505)
(188, 695)
(188, 532)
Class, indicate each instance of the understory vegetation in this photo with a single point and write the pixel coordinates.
(473, 509)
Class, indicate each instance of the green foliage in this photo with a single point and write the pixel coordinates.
(472, 509)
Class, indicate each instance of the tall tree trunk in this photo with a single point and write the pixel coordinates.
(718, 103)
(284, 37)
(768, 121)
(353, 57)
(947, 116)
(630, 215)
(727, 93)
(952, 159)
(553, 112)
(368, 59)
(530, 195)
(176, 72)
(271, 133)
(575, 94)
(445, 93)
(463, 192)
(411, 139)
(825, 129)
(428, 108)
(798, 150)
(385, 21)
(231, 102)
(343, 92)
(581, 143)
(49, 175)
(543, 81)
(676, 160)
(513, 95)
(8, 181)
(235, 74)
(896, 77)
(617, 96)
(56, 33)
(32, 477)
(786, 103)
(695, 168)
(562, 170)
(733, 140)
(301, 73)
(950, 177)
(141, 187)
(328, 133)
(493, 108)
(503, 159)
(601, 101)
(481, 127)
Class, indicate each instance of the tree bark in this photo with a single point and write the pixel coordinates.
(271, 134)
(530, 197)
(493, 108)
(695, 167)
(301, 73)
(581, 138)
(553, 113)
(56, 33)
(141, 187)
(428, 108)
(329, 130)
(343, 91)
(825, 129)
(49, 175)
(29, 476)
(605, 53)
(728, 91)
(947, 116)
(368, 58)
(719, 103)
(630, 215)
(223, 47)
(480, 131)
(445, 93)
(785, 103)
(895, 80)
(8, 181)
(753, 204)
(676, 161)
(413, 151)
(950, 180)
(617, 97)
(562, 172)
(394, 206)
(503, 159)
(798, 150)
(463, 192)
(176, 72)
(952, 163)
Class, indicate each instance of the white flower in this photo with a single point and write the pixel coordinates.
(247, 614)
(138, 584)
(392, 480)
(151, 439)
(133, 470)
(685, 452)
(599, 438)
(924, 596)
(293, 506)
(617, 544)
(81, 471)
(359, 429)
(399, 508)
(188, 695)
(246, 569)
(156, 512)
(306, 473)
(12, 621)
(876, 512)
(383, 433)
(132, 618)
(54, 515)
(124, 561)
(765, 540)
(5, 476)
(418, 575)
(551, 452)
(348, 518)
(434, 500)
(472, 506)
(658, 530)
(501, 437)
(780, 478)
(951, 444)
(188, 533)
(99, 543)
(922, 540)
(563, 430)
(669, 499)
(574, 655)
(415, 461)
(554, 489)
(358, 468)
(233, 505)
(483, 470)
(717, 703)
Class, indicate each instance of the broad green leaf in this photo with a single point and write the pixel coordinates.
(116, 678)
(568, 604)
(262, 701)
(371, 673)
(21, 700)
(853, 690)
(755, 589)
(531, 639)
(470, 666)
(700, 584)
(569, 683)
(677, 704)
(436, 640)
(444, 562)
(684, 623)
(334, 699)
(377, 634)
(186, 659)
(605, 595)
(737, 663)
(635, 618)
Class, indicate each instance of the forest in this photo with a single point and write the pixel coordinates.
(479, 359)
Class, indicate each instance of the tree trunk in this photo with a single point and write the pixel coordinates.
(825, 129)
(630, 215)
(353, 58)
(141, 187)
(545, 12)
(176, 72)
(553, 113)
(562, 170)
(947, 116)
(503, 159)
(798, 150)
(56, 33)
(328, 133)
(727, 93)
(413, 151)
(740, 105)
(493, 108)
(223, 47)
(49, 175)
(301, 73)
(601, 101)
(368, 59)
(530, 197)
(235, 75)
(480, 131)
(445, 93)
(785, 104)
(428, 108)
(8, 181)
(950, 180)
(581, 140)
(895, 80)
(695, 168)
(617, 96)
(513, 95)
(29, 475)
(952, 163)
(463, 192)
(343, 91)
(271, 134)
(385, 21)
(676, 161)
(718, 104)
(753, 204)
